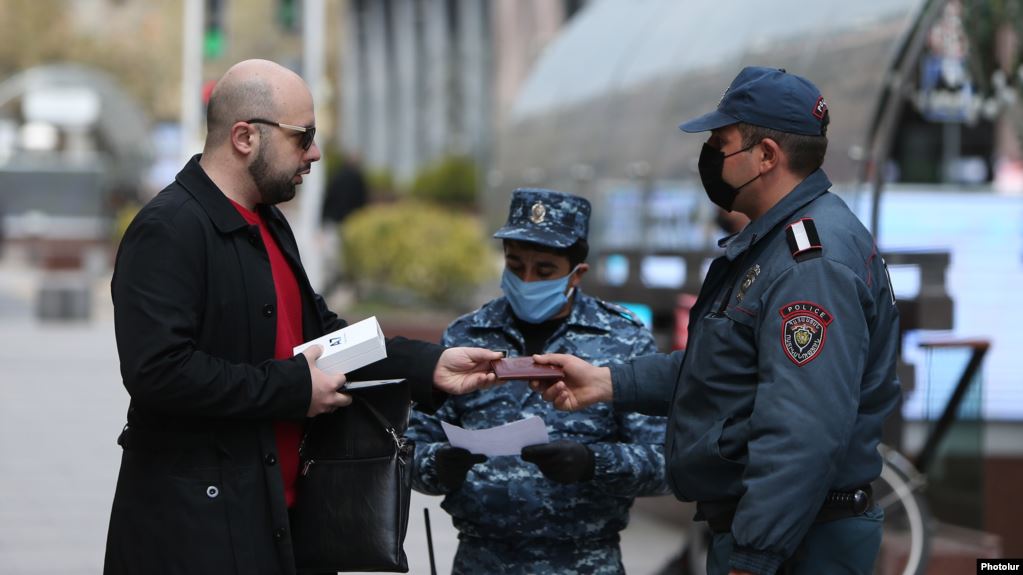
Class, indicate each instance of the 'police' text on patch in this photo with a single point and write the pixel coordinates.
(804, 328)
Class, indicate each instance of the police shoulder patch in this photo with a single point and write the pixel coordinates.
(804, 328)
(803, 240)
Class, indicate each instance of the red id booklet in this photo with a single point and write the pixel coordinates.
(524, 368)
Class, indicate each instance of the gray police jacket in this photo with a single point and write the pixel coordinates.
(789, 373)
(506, 497)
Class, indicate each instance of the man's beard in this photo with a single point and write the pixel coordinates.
(274, 188)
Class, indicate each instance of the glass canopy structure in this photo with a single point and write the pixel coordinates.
(604, 100)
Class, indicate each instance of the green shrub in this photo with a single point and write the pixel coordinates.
(382, 186)
(414, 247)
(331, 160)
(451, 182)
(122, 219)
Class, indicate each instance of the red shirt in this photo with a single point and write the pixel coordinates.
(289, 334)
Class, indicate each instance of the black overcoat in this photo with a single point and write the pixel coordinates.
(199, 489)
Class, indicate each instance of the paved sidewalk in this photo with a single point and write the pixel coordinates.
(61, 408)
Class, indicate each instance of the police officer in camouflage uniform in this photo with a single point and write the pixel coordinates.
(559, 507)
(777, 405)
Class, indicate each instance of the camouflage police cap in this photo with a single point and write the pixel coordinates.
(546, 217)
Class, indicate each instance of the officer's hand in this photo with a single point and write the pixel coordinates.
(325, 397)
(453, 463)
(563, 461)
(584, 384)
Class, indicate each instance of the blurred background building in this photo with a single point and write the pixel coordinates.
(443, 107)
(437, 77)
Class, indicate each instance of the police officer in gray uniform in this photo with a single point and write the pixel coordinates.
(777, 405)
(559, 507)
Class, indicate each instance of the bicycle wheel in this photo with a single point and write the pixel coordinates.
(905, 546)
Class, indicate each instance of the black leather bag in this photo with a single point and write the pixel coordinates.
(352, 495)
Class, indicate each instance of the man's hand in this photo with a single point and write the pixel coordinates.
(584, 384)
(562, 461)
(325, 397)
(452, 465)
(461, 370)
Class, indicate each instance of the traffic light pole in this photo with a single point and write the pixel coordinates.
(191, 79)
(314, 20)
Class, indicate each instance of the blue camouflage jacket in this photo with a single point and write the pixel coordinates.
(788, 376)
(507, 497)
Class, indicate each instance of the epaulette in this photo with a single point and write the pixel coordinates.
(622, 311)
(803, 240)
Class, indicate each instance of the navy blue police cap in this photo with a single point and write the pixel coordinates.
(770, 98)
(546, 217)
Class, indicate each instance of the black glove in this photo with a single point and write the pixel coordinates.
(452, 463)
(563, 461)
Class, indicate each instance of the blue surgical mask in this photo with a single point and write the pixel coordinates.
(536, 302)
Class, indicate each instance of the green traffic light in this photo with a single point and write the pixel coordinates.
(213, 43)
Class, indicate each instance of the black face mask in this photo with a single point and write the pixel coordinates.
(712, 162)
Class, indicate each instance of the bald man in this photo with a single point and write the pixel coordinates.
(209, 299)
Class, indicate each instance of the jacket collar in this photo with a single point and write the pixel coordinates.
(224, 215)
(496, 314)
(815, 185)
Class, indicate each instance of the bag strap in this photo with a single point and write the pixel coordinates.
(399, 440)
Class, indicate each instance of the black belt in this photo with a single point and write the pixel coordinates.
(837, 505)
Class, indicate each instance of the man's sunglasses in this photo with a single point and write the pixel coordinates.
(307, 133)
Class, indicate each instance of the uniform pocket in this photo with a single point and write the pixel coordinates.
(732, 440)
(702, 473)
(742, 315)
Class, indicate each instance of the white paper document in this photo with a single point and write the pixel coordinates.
(350, 385)
(507, 439)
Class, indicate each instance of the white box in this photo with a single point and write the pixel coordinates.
(349, 348)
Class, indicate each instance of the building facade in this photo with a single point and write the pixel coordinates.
(423, 79)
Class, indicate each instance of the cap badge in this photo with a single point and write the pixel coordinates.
(819, 108)
(537, 213)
